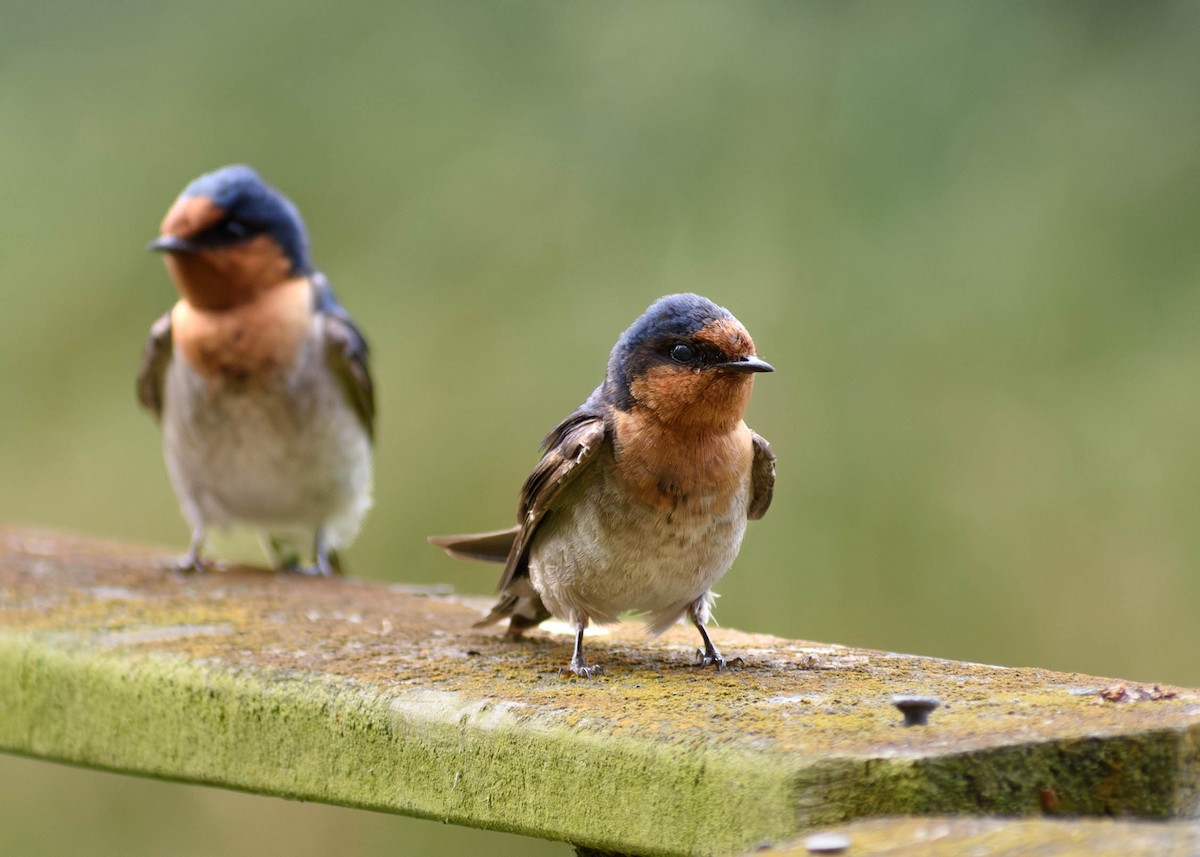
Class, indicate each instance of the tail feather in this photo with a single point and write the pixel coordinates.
(503, 609)
(522, 612)
(519, 602)
(489, 547)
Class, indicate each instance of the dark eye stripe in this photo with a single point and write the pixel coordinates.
(224, 234)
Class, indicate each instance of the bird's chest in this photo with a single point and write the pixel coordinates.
(677, 504)
(681, 476)
(254, 342)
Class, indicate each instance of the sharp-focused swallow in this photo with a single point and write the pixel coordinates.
(258, 377)
(641, 498)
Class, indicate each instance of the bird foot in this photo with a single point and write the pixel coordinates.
(317, 570)
(712, 657)
(321, 566)
(191, 564)
(580, 668)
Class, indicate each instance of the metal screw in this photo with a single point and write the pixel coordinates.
(915, 709)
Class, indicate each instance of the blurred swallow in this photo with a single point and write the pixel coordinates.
(258, 377)
(641, 498)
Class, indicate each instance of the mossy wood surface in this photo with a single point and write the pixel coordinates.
(386, 698)
(993, 837)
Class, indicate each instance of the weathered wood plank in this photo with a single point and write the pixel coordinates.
(379, 697)
(994, 837)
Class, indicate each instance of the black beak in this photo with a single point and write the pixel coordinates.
(172, 244)
(747, 364)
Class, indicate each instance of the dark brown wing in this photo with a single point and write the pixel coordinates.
(568, 450)
(762, 478)
(154, 365)
(346, 353)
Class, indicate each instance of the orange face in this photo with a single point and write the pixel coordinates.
(728, 337)
(190, 216)
(220, 277)
(700, 398)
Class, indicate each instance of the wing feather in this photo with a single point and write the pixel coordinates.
(569, 448)
(347, 353)
(762, 478)
(155, 358)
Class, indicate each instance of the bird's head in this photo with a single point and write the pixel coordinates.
(230, 236)
(687, 362)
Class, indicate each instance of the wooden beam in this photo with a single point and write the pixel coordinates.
(996, 837)
(385, 697)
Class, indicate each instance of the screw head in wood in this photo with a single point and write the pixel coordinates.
(916, 709)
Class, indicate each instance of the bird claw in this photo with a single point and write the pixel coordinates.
(581, 669)
(713, 658)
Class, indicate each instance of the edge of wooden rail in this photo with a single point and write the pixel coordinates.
(942, 836)
(385, 698)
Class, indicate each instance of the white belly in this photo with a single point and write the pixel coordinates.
(598, 558)
(288, 455)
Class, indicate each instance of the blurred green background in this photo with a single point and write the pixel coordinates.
(964, 233)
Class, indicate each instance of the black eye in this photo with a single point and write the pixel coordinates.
(236, 228)
(682, 353)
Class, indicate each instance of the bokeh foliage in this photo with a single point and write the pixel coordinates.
(964, 233)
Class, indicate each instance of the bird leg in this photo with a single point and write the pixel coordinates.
(325, 559)
(325, 556)
(192, 561)
(578, 665)
(709, 656)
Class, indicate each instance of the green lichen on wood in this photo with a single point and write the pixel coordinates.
(1143, 773)
(434, 755)
(382, 698)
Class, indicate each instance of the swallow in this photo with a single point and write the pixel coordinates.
(641, 497)
(258, 377)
